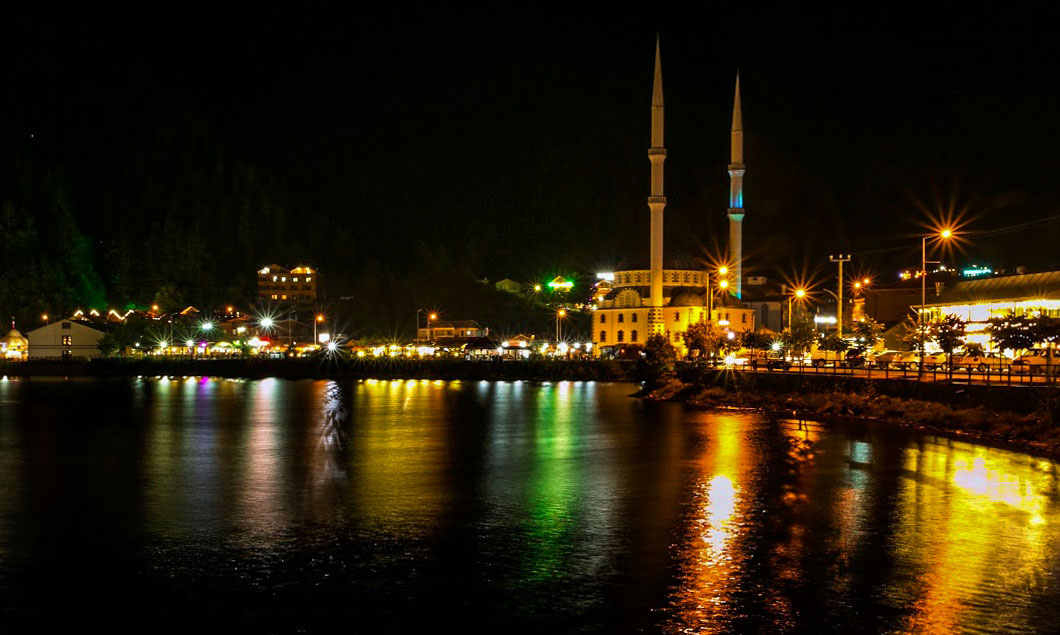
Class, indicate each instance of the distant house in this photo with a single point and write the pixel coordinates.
(279, 285)
(64, 339)
(509, 286)
(456, 328)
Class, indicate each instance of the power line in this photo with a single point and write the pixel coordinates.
(986, 232)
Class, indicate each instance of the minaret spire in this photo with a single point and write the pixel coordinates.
(657, 200)
(736, 171)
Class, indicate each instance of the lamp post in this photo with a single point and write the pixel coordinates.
(800, 294)
(319, 319)
(562, 313)
(430, 318)
(839, 298)
(942, 235)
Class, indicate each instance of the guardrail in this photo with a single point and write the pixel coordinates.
(1040, 375)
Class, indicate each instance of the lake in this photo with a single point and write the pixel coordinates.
(170, 504)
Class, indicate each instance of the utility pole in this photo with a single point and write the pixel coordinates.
(839, 299)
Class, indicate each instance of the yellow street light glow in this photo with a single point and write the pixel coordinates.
(800, 293)
(320, 318)
(724, 284)
(865, 282)
(857, 285)
(433, 316)
(44, 316)
(723, 271)
(537, 287)
(946, 233)
(561, 313)
(228, 309)
(154, 307)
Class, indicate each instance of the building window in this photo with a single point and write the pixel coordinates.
(274, 296)
(284, 297)
(603, 318)
(633, 318)
(686, 276)
(677, 316)
(66, 326)
(274, 278)
(743, 318)
(621, 336)
(295, 279)
(68, 340)
(621, 318)
(603, 336)
(633, 336)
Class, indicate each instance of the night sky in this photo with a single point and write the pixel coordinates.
(520, 141)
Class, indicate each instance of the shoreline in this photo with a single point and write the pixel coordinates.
(333, 368)
(1031, 433)
(1019, 418)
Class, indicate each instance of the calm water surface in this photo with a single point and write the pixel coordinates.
(313, 506)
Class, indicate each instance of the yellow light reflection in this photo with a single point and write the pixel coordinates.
(712, 560)
(978, 523)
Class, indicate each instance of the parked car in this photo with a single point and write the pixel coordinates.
(933, 361)
(982, 363)
(769, 360)
(907, 360)
(854, 359)
(821, 357)
(885, 359)
(1037, 362)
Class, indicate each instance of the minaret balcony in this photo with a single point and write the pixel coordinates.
(656, 200)
(656, 152)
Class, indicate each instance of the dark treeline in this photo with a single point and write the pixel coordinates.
(411, 160)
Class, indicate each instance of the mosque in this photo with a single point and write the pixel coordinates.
(644, 302)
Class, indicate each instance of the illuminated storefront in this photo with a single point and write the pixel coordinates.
(976, 301)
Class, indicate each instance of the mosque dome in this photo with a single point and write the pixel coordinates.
(686, 297)
(14, 344)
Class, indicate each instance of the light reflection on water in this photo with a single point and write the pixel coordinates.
(546, 506)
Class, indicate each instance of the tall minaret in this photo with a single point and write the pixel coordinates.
(736, 170)
(657, 201)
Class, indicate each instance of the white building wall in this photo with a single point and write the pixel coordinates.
(47, 341)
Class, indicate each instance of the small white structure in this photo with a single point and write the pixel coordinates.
(64, 339)
(13, 346)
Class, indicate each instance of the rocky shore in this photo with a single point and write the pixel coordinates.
(1034, 430)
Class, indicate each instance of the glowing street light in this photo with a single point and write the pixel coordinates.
(207, 326)
(562, 313)
(319, 320)
(944, 234)
(266, 322)
(799, 295)
(723, 271)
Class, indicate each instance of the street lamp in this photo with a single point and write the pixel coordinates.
(319, 319)
(430, 318)
(945, 234)
(562, 313)
(800, 294)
